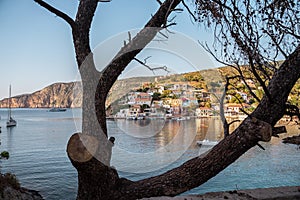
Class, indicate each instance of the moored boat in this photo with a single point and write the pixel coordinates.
(207, 142)
(10, 121)
(54, 109)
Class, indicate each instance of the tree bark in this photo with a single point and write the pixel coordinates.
(272, 109)
(96, 178)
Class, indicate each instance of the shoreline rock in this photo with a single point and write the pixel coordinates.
(292, 140)
(10, 189)
(20, 194)
(275, 193)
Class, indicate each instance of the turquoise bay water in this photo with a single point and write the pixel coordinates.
(38, 156)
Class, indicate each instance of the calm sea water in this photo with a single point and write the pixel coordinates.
(37, 147)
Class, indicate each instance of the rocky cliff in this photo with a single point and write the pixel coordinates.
(58, 94)
(67, 95)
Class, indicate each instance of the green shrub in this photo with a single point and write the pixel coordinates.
(5, 154)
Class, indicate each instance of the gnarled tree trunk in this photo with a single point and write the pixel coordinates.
(96, 179)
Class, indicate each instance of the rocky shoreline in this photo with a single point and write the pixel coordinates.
(292, 140)
(20, 194)
(276, 193)
(10, 189)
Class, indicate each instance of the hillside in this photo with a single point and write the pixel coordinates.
(58, 94)
(124, 86)
(61, 94)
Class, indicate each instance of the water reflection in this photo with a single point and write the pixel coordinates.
(209, 128)
(158, 142)
(38, 153)
(10, 132)
(140, 128)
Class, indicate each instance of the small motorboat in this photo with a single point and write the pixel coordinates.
(207, 142)
(55, 109)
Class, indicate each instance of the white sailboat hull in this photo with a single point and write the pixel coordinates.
(206, 142)
(11, 123)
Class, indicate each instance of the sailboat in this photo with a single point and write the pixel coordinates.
(10, 121)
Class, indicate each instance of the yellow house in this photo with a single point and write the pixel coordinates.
(176, 102)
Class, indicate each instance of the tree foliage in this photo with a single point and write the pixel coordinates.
(251, 36)
(156, 96)
(193, 76)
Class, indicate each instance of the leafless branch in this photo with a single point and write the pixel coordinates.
(57, 12)
(145, 60)
(222, 112)
(206, 48)
(153, 69)
(178, 10)
(168, 25)
(277, 45)
(237, 120)
(260, 146)
(259, 79)
(159, 2)
(243, 78)
(189, 10)
(168, 13)
(172, 19)
(164, 35)
(243, 111)
(129, 36)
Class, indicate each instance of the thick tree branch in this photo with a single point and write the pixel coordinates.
(128, 52)
(278, 130)
(279, 88)
(200, 169)
(57, 12)
(81, 39)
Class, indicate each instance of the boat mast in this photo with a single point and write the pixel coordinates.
(9, 103)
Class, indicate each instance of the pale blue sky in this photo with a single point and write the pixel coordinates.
(37, 49)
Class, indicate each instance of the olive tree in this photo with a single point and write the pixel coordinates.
(90, 150)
